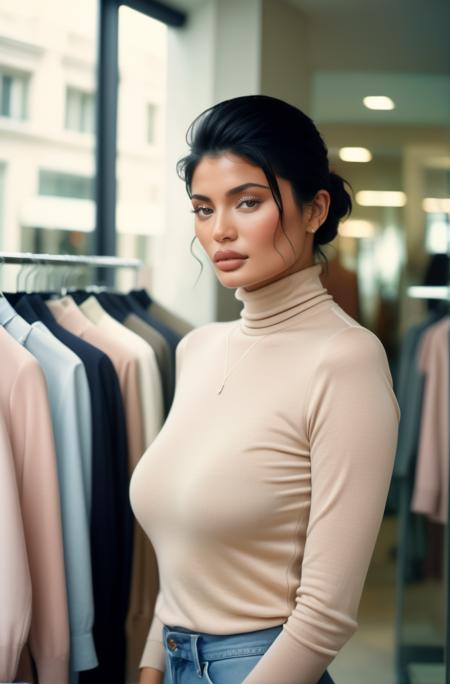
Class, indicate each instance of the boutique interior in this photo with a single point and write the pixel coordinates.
(95, 100)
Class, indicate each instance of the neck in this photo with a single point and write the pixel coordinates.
(275, 306)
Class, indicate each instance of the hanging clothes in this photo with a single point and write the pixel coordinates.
(25, 409)
(15, 580)
(70, 408)
(107, 387)
(161, 313)
(430, 495)
(111, 546)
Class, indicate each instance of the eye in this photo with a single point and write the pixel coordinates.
(202, 211)
(251, 202)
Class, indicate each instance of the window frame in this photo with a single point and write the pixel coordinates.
(106, 115)
(19, 90)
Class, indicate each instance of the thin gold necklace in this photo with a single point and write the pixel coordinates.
(227, 375)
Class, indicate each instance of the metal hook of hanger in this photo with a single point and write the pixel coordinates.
(39, 287)
(20, 272)
(40, 274)
(27, 276)
(52, 277)
(2, 261)
(65, 272)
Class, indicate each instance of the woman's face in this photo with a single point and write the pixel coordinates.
(235, 210)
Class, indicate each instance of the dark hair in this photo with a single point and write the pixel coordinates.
(281, 140)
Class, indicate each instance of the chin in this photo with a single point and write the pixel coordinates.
(233, 281)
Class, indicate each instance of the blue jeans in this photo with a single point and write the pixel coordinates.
(199, 658)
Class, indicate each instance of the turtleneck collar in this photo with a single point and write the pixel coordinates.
(272, 307)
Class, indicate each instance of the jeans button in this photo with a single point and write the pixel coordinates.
(172, 644)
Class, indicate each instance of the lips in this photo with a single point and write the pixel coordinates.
(225, 255)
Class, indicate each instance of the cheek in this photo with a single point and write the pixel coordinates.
(200, 232)
(261, 226)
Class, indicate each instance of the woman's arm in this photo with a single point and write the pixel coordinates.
(149, 675)
(352, 423)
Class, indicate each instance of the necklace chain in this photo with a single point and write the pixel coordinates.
(227, 375)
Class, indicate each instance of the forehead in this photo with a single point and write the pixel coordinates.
(225, 171)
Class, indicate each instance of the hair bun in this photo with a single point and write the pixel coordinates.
(341, 202)
(340, 206)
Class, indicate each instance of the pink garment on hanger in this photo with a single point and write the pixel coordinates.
(26, 412)
(15, 581)
(430, 495)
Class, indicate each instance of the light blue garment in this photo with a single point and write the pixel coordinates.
(83, 413)
(69, 398)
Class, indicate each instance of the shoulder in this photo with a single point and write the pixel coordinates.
(351, 357)
(352, 344)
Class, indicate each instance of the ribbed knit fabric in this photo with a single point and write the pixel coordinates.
(264, 501)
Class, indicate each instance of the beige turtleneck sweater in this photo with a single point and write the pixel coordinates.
(264, 501)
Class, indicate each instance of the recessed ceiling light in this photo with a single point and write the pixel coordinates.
(355, 154)
(378, 102)
(436, 205)
(381, 198)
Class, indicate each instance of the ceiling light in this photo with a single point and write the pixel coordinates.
(380, 198)
(378, 102)
(429, 291)
(357, 229)
(355, 154)
(436, 205)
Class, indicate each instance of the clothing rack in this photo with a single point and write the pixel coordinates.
(426, 663)
(71, 260)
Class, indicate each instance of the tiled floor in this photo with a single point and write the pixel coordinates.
(368, 657)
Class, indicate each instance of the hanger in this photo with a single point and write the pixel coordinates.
(2, 260)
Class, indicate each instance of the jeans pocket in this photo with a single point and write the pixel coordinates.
(230, 670)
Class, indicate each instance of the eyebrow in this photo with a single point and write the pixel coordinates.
(233, 191)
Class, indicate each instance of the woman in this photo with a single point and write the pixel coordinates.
(264, 492)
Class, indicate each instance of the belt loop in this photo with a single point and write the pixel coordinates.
(194, 639)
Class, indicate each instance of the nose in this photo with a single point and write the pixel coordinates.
(223, 227)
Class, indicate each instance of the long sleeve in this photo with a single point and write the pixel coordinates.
(154, 654)
(351, 467)
(75, 517)
(34, 452)
(15, 582)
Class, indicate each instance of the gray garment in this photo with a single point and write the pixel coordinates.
(178, 324)
(410, 387)
(161, 348)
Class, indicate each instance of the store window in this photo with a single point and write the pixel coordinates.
(80, 110)
(58, 184)
(140, 138)
(13, 94)
(48, 75)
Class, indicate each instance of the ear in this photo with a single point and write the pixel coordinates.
(320, 206)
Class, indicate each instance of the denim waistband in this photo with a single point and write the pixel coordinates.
(190, 645)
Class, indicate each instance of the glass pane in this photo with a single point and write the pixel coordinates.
(6, 95)
(141, 142)
(48, 55)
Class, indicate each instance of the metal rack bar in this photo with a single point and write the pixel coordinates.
(69, 260)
